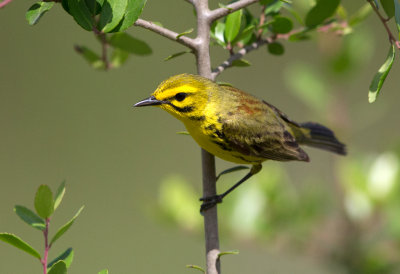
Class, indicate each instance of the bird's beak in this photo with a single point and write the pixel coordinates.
(151, 101)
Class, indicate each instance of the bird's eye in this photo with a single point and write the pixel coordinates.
(180, 96)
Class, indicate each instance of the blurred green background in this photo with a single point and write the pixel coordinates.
(62, 120)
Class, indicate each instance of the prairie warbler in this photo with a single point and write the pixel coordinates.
(236, 126)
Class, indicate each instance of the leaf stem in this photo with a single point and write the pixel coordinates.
(384, 21)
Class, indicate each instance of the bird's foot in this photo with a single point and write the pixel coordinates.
(209, 202)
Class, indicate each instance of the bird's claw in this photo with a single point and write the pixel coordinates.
(209, 202)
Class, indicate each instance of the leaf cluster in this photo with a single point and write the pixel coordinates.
(45, 205)
(108, 19)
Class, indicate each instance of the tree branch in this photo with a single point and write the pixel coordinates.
(221, 12)
(255, 45)
(208, 160)
(186, 41)
(392, 39)
(228, 63)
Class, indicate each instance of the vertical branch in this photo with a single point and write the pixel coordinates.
(208, 161)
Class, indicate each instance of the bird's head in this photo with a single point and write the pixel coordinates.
(185, 96)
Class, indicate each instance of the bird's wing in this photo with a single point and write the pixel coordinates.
(261, 131)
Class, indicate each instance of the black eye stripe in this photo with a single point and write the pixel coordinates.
(174, 97)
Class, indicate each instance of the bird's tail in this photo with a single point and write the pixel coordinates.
(319, 136)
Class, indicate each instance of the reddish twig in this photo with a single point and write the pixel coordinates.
(384, 21)
(46, 246)
(5, 3)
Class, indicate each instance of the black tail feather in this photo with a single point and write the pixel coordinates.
(318, 136)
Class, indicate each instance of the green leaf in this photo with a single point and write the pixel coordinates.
(380, 76)
(44, 203)
(299, 36)
(220, 83)
(59, 195)
(94, 6)
(133, 9)
(172, 56)
(81, 14)
(67, 256)
(119, 57)
(65, 227)
(130, 44)
(281, 24)
(185, 32)
(245, 35)
(196, 267)
(157, 23)
(230, 170)
(360, 15)
(273, 7)
(58, 268)
(29, 217)
(36, 11)
(241, 63)
(232, 252)
(111, 14)
(217, 32)
(232, 25)
(388, 6)
(19, 243)
(267, 2)
(276, 48)
(397, 15)
(104, 271)
(64, 4)
(320, 12)
(90, 56)
(294, 13)
(183, 133)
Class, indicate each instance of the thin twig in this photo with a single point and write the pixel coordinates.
(242, 52)
(46, 246)
(392, 39)
(5, 3)
(262, 21)
(184, 40)
(221, 12)
(104, 47)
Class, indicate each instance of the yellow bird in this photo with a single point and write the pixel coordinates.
(236, 126)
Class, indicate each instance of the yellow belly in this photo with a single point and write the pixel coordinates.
(204, 140)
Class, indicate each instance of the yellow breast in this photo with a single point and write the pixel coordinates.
(208, 135)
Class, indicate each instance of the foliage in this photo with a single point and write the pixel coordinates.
(273, 208)
(45, 205)
(278, 20)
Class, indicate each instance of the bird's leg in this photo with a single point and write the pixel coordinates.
(209, 202)
(230, 170)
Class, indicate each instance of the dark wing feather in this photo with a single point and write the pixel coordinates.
(262, 133)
